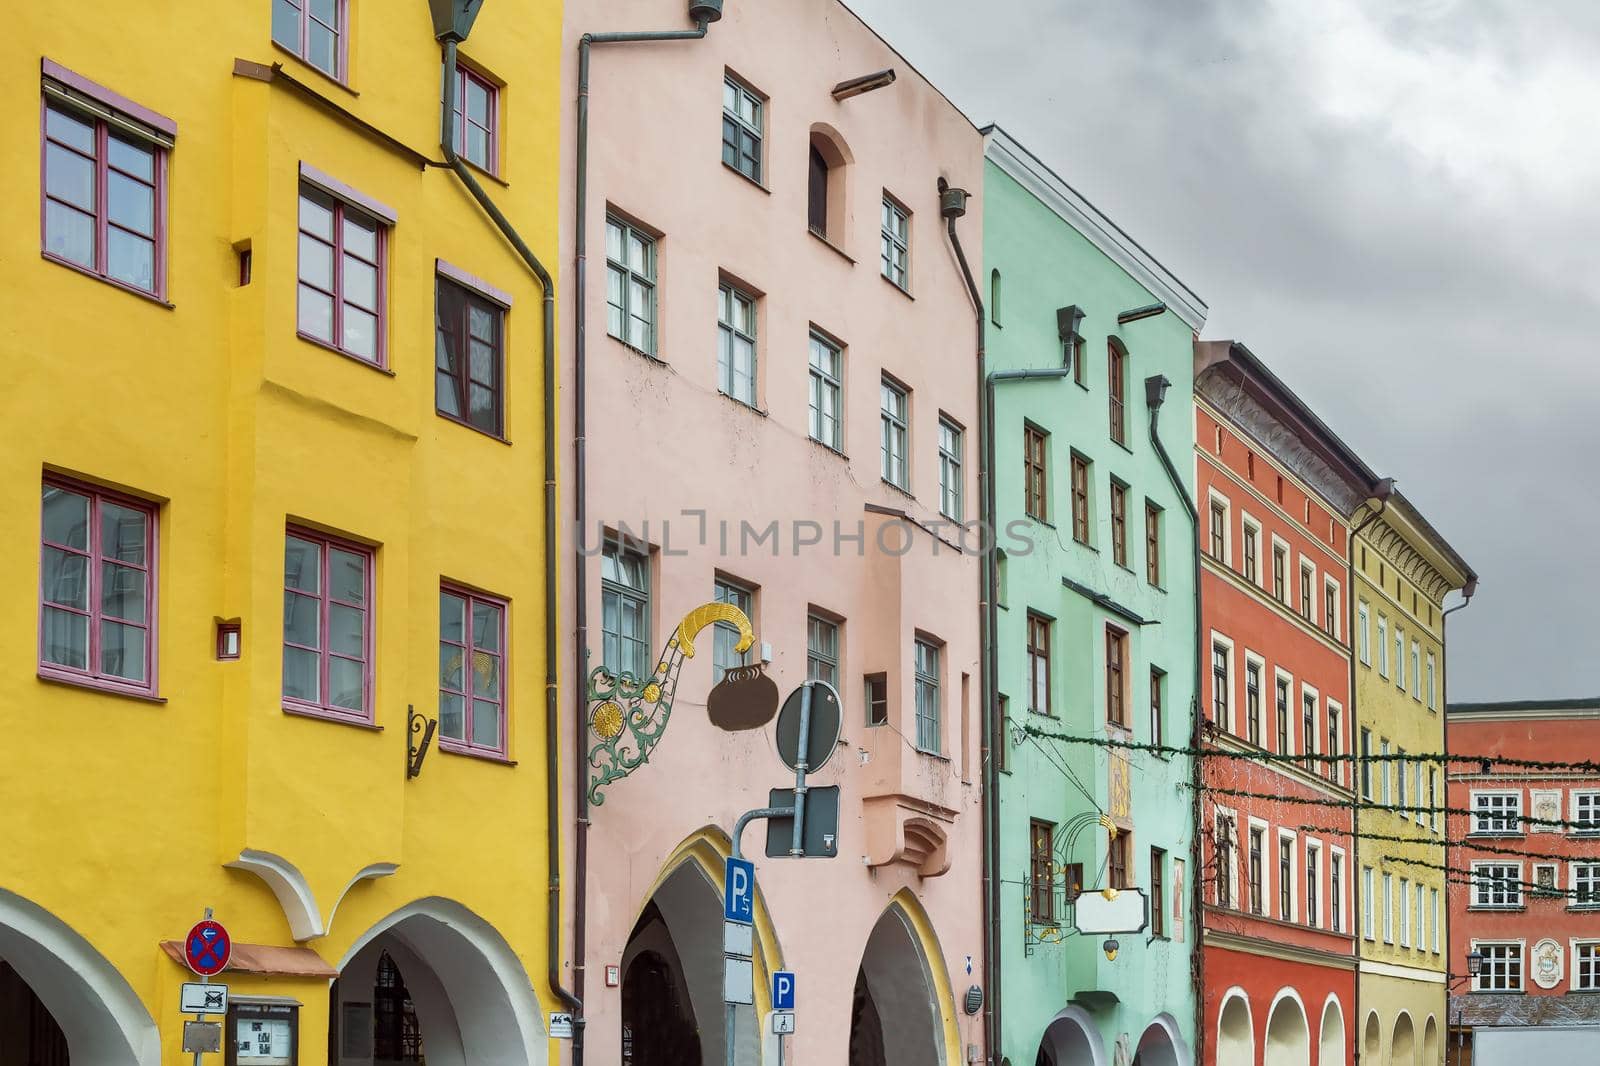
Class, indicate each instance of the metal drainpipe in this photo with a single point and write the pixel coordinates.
(1381, 494)
(1155, 388)
(1444, 709)
(988, 656)
(704, 12)
(551, 654)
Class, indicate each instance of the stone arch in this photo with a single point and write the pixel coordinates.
(827, 187)
(1162, 1044)
(1330, 1038)
(1072, 1039)
(1403, 1046)
(101, 1017)
(1430, 1042)
(1236, 1034)
(902, 978)
(1288, 1039)
(1372, 1038)
(472, 997)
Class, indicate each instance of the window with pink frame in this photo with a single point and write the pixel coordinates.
(96, 588)
(469, 375)
(477, 119)
(472, 702)
(103, 193)
(342, 266)
(314, 30)
(327, 626)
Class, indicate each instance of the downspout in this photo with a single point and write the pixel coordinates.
(1155, 393)
(704, 12)
(1444, 709)
(1381, 492)
(451, 37)
(952, 205)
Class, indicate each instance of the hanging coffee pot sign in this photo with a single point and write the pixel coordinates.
(745, 698)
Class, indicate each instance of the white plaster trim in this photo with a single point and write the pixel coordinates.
(1240, 994)
(294, 893)
(1286, 992)
(1169, 1026)
(1001, 149)
(1322, 1022)
(1404, 973)
(1086, 1025)
(366, 873)
(105, 1022)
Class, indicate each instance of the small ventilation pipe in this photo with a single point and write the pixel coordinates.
(702, 13)
(452, 22)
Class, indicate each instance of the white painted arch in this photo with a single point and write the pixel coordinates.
(294, 892)
(1073, 1039)
(1331, 1033)
(1403, 1045)
(1288, 1033)
(1162, 1043)
(1236, 1029)
(104, 1020)
(473, 999)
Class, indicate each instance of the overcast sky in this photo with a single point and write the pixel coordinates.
(1396, 205)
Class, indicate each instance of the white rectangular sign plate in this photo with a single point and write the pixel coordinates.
(197, 998)
(1127, 913)
(783, 1022)
(738, 939)
(560, 1025)
(738, 980)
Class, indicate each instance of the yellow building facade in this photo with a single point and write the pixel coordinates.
(1403, 571)
(277, 470)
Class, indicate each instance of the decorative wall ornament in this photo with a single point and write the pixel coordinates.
(1547, 963)
(1407, 560)
(628, 715)
(1545, 809)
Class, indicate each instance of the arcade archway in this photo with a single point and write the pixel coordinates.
(1288, 1040)
(1161, 1044)
(1330, 1043)
(1403, 1048)
(61, 1002)
(896, 1015)
(1236, 1038)
(434, 983)
(1071, 1039)
(1372, 1038)
(1430, 1042)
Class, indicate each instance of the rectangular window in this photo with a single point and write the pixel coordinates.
(1002, 738)
(1368, 917)
(1308, 576)
(1416, 926)
(1257, 882)
(896, 243)
(929, 707)
(1586, 811)
(625, 611)
(1308, 730)
(1433, 687)
(1280, 558)
(1252, 702)
(1219, 531)
(1152, 543)
(1416, 672)
(724, 656)
(1072, 881)
(742, 128)
(1497, 885)
(469, 377)
(1226, 831)
(1502, 967)
(1034, 483)
(1497, 813)
(327, 625)
(1157, 702)
(736, 344)
(97, 588)
(1286, 878)
(477, 119)
(1330, 608)
(1220, 688)
(950, 469)
(822, 650)
(630, 285)
(1042, 876)
(1586, 966)
(1333, 769)
(1080, 499)
(342, 276)
(1585, 884)
(1283, 716)
(1363, 633)
(1383, 646)
(1158, 892)
(1366, 764)
(1116, 687)
(1119, 523)
(1252, 540)
(1118, 861)
(1385, 770)
(1405, 913)
(1117, 388)
(894, 420)
(1433, 925)
(877, 691)
(1433, 798)
(314, 30)
(1313, 860)
(104, 194)
(1388, 908)
(1336, 893)
(472, 657)
(1399, 658)
(1039, 663)
(827, 395)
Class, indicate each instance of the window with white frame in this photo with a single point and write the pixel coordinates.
(1363, 632)
(631, 285)
(1433, 684)
(1497, 885)
(1336, 891)
(895, 252)
(1416, 925)
(1585, 881)
(894, 424)
(1308, 585)
(1400, 780)
(1405, 913)
(1286, 877)
(929, 706)
(1366, 764)
(724, 651)
(1313, 872)
(1384, 768)
(1586, 810)
(625, 610)
(822, 649)
(1497, 813)
(1502, 966)
(1227, 838)
(1250, 555)
(1416, 672)
(1368, 914)
(950, 443)
(736, 343)
(1330, 607)
(1433, 908)
(1586, 966)
(827, 392)
(742, 129)
(1433, 798)
(1383, 646)
(1399, 658)
(1388, 908)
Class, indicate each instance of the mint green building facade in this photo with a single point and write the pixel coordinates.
(1096, 628)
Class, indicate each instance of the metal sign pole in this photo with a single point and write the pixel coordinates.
(201, 1017)
(802, 750)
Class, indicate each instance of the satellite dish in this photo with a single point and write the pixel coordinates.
(826, 721)
(745, 698)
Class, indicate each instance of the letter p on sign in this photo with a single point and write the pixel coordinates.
(783, 990)
(739, 891)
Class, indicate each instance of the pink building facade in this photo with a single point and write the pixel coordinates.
(778, 378)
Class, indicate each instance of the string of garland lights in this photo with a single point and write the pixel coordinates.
(1473, 880)
(1398, 808)
(1484, 761)
(1439, 842)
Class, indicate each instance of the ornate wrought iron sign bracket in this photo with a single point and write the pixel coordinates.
(417, 751)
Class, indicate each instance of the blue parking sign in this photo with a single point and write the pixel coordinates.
(783, 990)
(739, 891)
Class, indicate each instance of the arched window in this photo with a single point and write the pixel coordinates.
(825, 186)
(994, 296)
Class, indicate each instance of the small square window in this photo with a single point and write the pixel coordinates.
(229, 638)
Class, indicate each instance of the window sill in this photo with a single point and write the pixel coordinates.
(933, 754)
(1495, 836)
(1492, 910)
(493, 176)
(472, 753)
(840, 252)
(1124, 445)
(318, 71)
(897, 287)
(752, 408)
(830, 449)
(1042, 521)
(320, 343)
(735, 170)
(468, 425)
(113, 282)
(648, 356)
(902, 491)
(94, 684)
(322, 714)
(1080, 384)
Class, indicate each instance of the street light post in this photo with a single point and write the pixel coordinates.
(1474, 968)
